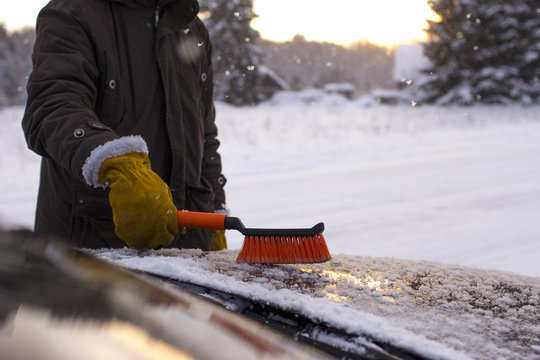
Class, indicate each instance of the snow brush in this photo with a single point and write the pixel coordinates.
(268, 246)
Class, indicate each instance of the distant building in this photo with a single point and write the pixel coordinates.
(408, 64)
(345, 89)
(272, 83)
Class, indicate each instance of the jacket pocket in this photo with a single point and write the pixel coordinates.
(92, 203)
(92, 223)
(200, 198)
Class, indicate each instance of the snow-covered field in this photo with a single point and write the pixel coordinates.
(455, 185)
(452, 185)
(412, 198)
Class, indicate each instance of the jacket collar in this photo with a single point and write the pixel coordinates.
(176, 14)
(152, 3)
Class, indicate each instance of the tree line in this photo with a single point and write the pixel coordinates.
(15, 64)
(243, 62)
(480, 52)
(310, 64)
(240, 66)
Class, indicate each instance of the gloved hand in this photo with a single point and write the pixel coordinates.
(143, 212)
(219, 242)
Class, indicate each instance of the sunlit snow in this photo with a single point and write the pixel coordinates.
(434, 310)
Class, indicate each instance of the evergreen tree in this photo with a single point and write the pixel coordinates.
(4, 70)
(238, 71)
(483, 52)
(531, 59)
(20, 64)
(15, 64)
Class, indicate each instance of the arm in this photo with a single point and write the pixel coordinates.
(60, 122)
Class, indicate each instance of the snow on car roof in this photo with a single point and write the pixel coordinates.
(436, 310)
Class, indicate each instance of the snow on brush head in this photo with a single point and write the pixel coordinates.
(117, 147)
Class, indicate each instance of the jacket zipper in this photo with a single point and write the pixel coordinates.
(156, 16)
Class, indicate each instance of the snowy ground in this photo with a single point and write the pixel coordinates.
(452, 185)
(455, 185)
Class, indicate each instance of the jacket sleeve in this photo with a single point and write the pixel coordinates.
(59, 121)
(211, 167)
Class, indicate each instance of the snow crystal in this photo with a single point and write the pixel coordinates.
(438, 311)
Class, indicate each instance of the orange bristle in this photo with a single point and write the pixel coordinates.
(284, 249)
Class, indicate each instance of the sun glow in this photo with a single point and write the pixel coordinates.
(385, 22)
(19, 14)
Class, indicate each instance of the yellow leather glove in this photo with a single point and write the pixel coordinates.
(219, 242)
(143, 212)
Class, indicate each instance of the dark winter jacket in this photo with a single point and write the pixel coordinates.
(105, 69)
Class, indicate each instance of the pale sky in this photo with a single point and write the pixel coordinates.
(342, 21)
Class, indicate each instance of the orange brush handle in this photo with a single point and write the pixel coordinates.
(201, 220)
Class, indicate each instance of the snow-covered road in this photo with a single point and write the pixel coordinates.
(455, 185)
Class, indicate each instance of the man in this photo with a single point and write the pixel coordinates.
(120, 108)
